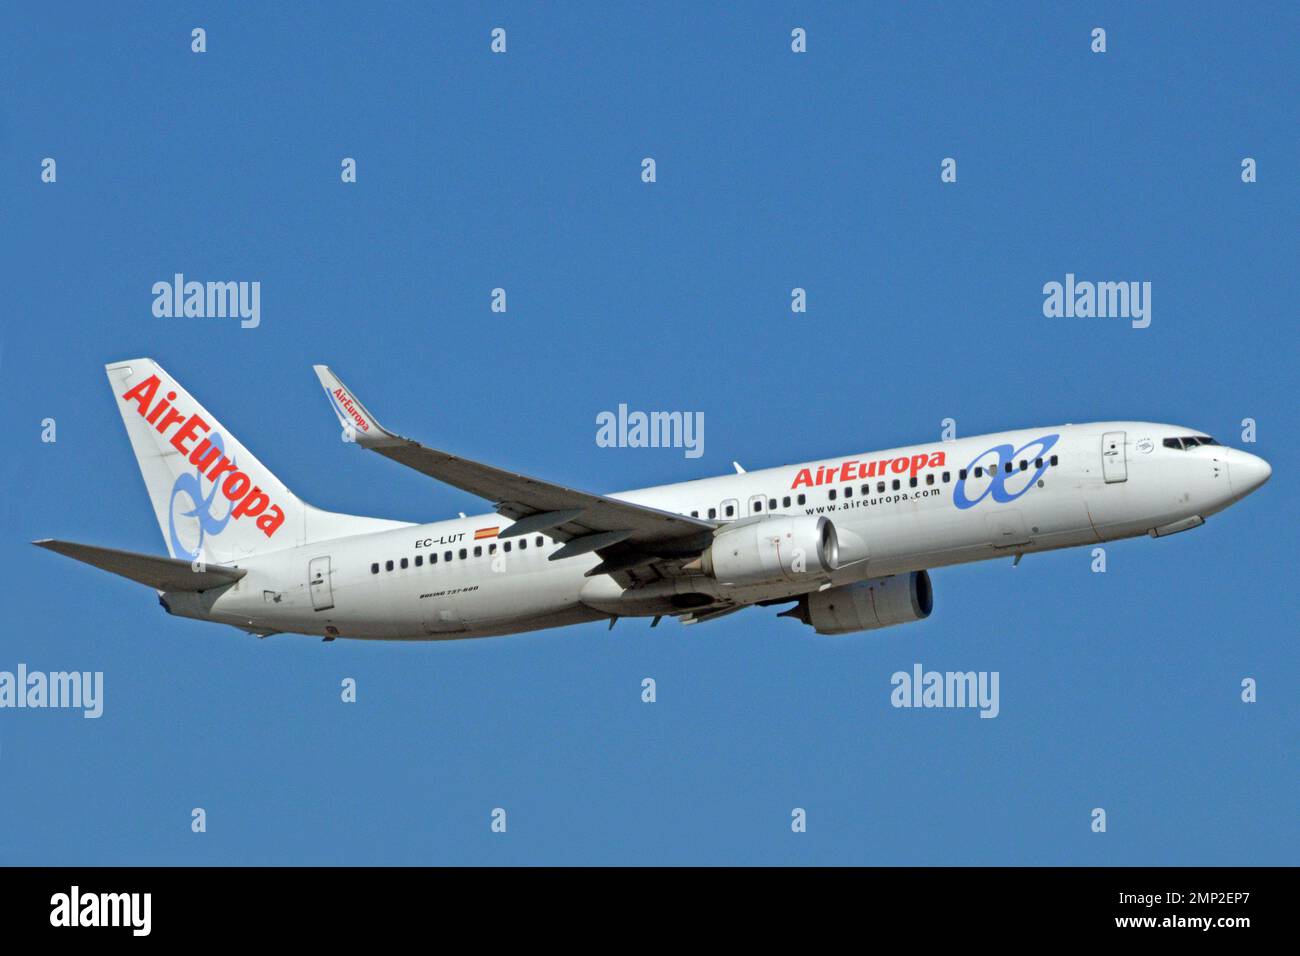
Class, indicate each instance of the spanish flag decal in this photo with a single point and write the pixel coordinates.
(482, 533)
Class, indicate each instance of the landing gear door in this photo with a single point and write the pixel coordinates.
(318, 577)
(1114, 465)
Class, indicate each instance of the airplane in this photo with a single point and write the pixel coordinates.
(847, 541)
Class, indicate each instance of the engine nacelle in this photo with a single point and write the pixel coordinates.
(772, 549)
(866, 605)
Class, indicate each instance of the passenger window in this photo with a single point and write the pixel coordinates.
(388, 565)
(506, 546)
(523, 543)
(1008, 467)
(695, 514)
(866, 489)
(831, 494)
(446, 556)
(713, 512)
(374, 568)
(802, 499)
(1024, 465)
(929, 479)
(492, 549)
(785, 502)
(911, 482)
(961, 474)
(947, 477)
(1038, 463)
(848, 492)
(771, 504)
(419, 560)
(979, 471)
(880, 487)
(1053, 459)
(896, 484)
(758, 506)
(433, 557)
(538, 542)
(463, 554)
(731, 511)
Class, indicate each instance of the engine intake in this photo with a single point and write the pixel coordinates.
(866, 605)
(771, 550)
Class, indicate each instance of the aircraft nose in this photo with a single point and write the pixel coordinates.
(1246, 472)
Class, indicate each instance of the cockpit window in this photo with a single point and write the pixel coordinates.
(1189, 441)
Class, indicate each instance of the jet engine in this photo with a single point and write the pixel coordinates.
(866, 605)
(772, 550)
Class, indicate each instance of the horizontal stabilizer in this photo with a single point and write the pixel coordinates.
(164, 574)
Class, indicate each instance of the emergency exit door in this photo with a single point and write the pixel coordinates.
(1114, 465)
(318, 577)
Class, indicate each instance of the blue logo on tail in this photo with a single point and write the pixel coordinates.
(200, 506)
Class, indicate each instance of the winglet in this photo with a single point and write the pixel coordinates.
(355, 417)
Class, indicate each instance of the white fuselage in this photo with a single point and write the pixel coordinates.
(893, 514)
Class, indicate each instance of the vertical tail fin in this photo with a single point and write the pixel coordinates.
(213, 499)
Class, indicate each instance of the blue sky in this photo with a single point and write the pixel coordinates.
(775, 170)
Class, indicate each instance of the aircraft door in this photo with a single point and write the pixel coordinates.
(322, 589)
(1114, 464)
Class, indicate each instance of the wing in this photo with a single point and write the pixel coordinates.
(626, 536)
